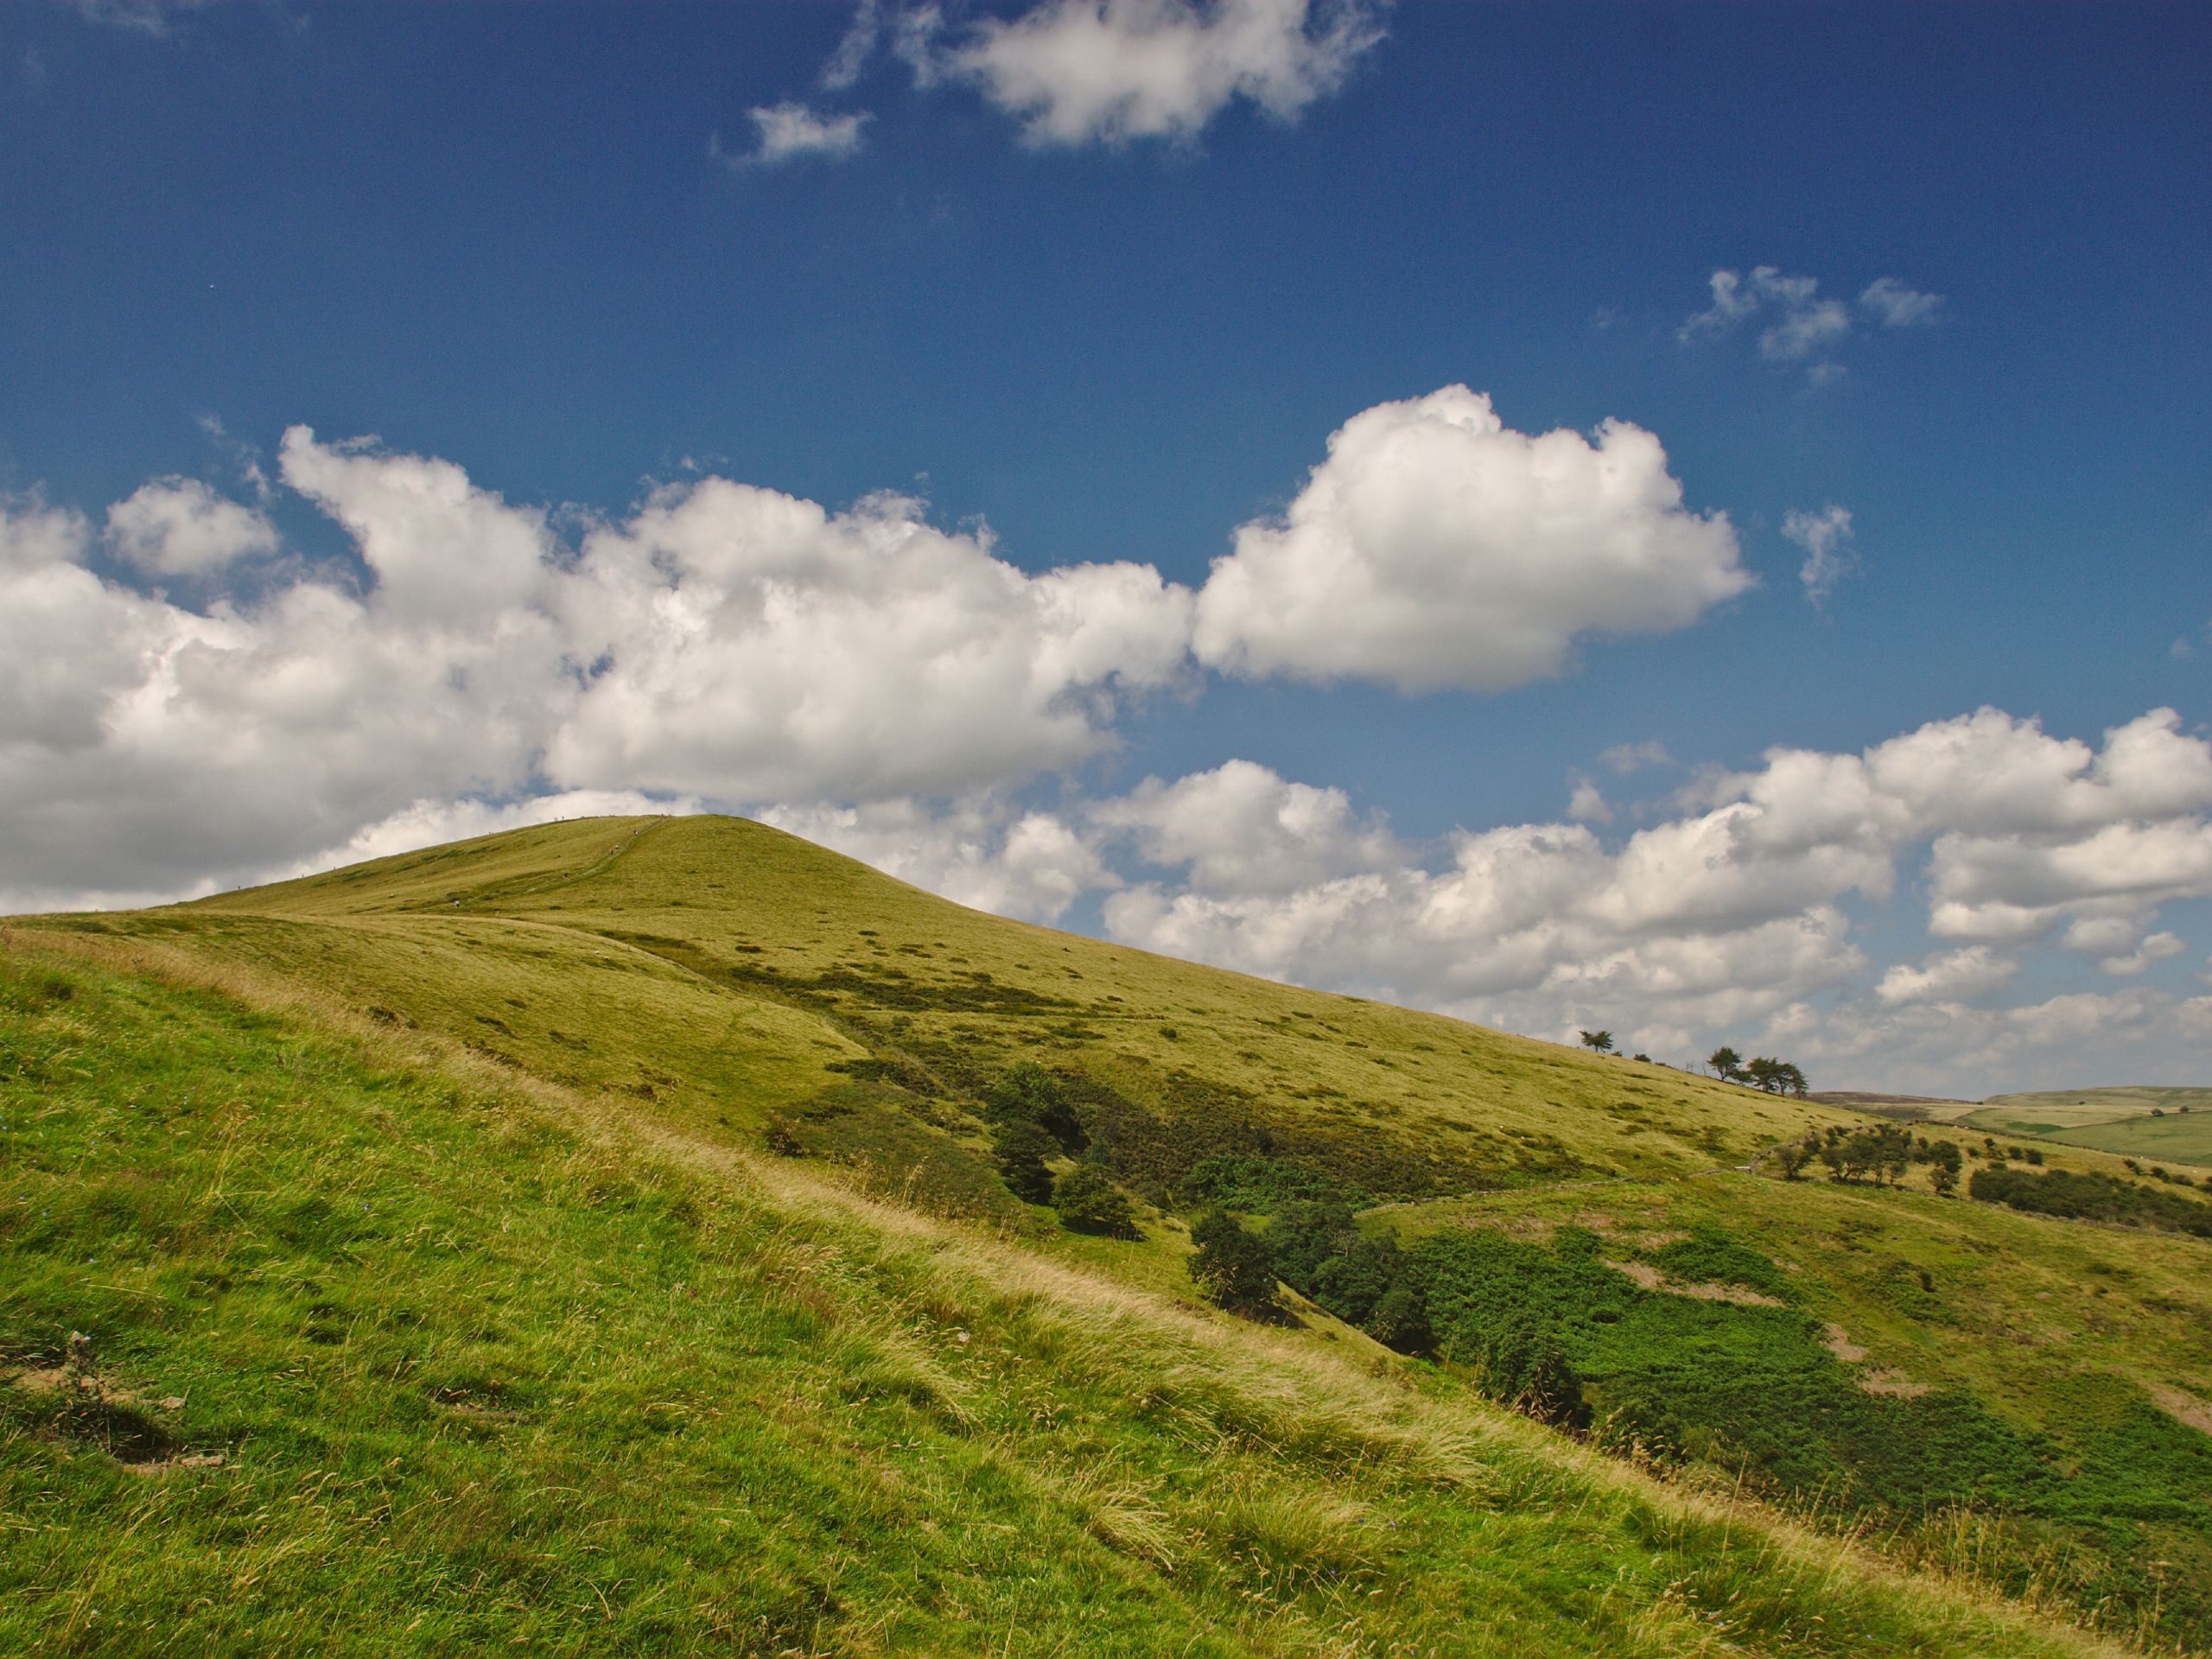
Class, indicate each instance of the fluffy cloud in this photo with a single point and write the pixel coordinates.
(1728, 920)
(721, 642)
(1075, 72)
(179, 527)
(981, 851)
(1435, 547)
(1948, 976)
(1826, 537)
(727, 644)
(790, 131)
(1242, 829)
(1684, 925)
(1587, 804)
(752, 646)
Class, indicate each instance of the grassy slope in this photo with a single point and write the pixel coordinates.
(761, 919)
(460, 1361)
(697, 977)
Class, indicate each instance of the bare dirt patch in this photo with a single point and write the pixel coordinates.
(153, 1466)
(1841, 1345)
(1882, 1380)
(2183, 1410)
(1651, 1278)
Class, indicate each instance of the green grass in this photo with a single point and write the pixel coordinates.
(754, 919)
(640, 1008)
(2111, 1120)
(486, 1366)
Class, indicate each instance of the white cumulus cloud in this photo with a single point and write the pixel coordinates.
(1947, 976)
(1240, 828)
(1729, 921)
(179, 527)
(1075, 72)
(980, 851)
(1436, 547)
(719, 642)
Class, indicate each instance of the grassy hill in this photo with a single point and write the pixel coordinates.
(444, 1294)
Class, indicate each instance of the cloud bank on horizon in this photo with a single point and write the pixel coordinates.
(184, 701)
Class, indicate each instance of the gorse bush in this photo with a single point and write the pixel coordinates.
(1755, 1391)
(1260, 1185)
(1320, 1251)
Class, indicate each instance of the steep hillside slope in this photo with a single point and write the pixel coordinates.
(663, 919)
(2014, 1395)
(397, 1353)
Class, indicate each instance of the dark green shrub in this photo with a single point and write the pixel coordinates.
(1521, 1364)
(1233, 1266)
(1260, 1186)
(2093, 1197)
(1351, 1283)
(1028, 1093)
(1302, 1235)
(1089, 1203)
(1020, 1148)
(1400, 1320)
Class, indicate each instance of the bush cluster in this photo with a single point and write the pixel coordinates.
(2091, 1197)
(1883, 1153)
(1359, 1276)
(1032, 1122)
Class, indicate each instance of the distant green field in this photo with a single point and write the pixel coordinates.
(2118, 1120)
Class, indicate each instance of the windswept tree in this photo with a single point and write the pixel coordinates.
(1727, 1065)
(1946, 1161)
(1776, 1077)
(1599, 1042)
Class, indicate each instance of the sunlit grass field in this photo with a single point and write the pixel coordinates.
(435, 1193)
(2150, 1125)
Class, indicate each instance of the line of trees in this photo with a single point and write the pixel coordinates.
(1776, 1076)
(1881, 1153)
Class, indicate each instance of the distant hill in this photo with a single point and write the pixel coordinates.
(601, 1236)
(2148, 1124)
(1912, 1109)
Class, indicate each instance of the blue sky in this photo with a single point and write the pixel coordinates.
(1093, 285)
